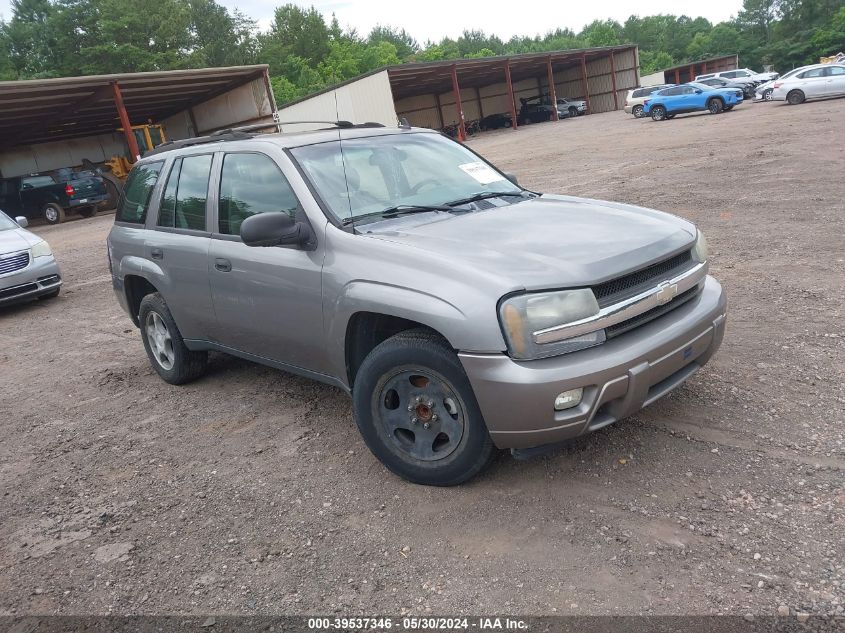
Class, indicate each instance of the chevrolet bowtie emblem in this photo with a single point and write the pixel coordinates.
(665, 292)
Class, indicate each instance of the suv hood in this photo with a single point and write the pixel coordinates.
(545, 242)
(14, 240)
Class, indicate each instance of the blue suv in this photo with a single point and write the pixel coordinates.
(691, 97)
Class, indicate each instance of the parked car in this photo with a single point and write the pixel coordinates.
(460, 311)
(691, 97)
(764, 91)
(496, 121)
(813, 82)
(28, 269)
(51, 197)
(634, 99)
(719, 82)
(538, 109)
(741, 74)
(575, 107)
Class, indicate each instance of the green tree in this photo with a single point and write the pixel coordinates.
(405, 45)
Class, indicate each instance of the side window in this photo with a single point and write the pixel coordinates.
(835, 70)
(729, 75)
(251, 184)
(167, 208)
(184, 196)
(137, 192)
(812, 73)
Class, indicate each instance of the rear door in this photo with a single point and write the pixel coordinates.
(179, 241)
(836, 80)
(268, 300)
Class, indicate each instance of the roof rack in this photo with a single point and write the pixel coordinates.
(244, 132)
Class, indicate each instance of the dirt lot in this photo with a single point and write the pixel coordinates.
(251, 492)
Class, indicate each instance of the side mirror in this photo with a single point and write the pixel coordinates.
(512, 178)
(698, 91)
(274, 229)
(22, 221)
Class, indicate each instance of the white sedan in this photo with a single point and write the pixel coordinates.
(813, 82)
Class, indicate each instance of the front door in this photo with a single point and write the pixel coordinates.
(268, 300)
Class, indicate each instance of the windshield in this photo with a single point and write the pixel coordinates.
(7, 223)
(397, 170)
(695, 84)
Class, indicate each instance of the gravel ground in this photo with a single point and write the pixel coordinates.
(250, 490)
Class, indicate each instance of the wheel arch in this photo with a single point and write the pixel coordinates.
(136, 287)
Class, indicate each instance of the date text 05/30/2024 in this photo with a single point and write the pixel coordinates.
(417, 624)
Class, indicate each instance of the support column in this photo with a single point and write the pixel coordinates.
(704, 68)
(552, 93)
(439, 110)
(584, 83)
(613, 80)
(480, 107)
(677, 75)
(462, 131)
(510, 93)
(692, 72)
(124, 122)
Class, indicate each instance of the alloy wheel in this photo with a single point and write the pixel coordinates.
(160, 341)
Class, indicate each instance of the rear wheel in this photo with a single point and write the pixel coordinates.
(417, 412)
(637, 111)
(715, 106)
(658, 113)
(166, 349)
(53, 213)
(573, 111)
(795, 97)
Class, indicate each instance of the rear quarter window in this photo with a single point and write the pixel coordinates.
(136, 193)
(37, 181)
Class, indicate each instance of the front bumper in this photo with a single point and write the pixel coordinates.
(619, 377)
(40, 277)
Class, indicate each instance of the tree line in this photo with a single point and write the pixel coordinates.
(305, 52)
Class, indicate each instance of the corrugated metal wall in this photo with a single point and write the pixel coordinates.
(30, 159)
(422, 110)
(368, 99)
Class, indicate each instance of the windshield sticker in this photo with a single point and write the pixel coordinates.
(482, 172)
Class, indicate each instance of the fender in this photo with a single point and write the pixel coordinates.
(138, 267)
(399, 301)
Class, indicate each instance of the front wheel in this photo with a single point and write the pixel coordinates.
(658, 113)
(637, 112)
(166, 349)
(417, 413)
(714, 106)
(573, 112)
(53, 213)
(767, 94)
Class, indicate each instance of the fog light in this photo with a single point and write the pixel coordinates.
(568, 399)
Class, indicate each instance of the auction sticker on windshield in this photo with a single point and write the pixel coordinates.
(482, 172)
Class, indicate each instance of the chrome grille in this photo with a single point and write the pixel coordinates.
(622, 288)
(13, 263)
(645, 317)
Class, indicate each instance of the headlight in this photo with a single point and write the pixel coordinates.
(699, 251)
(523, 317)
(42, 249)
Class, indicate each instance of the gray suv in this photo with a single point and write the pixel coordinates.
(462, 312)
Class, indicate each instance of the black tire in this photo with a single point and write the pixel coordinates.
(53, 213)
(88, 212)
(637, 111)
(184, 365)
(658, 113)
(795, 97)
(767, 94)
(51, 295)
(573, 112)
(400, 388)
(715, 105)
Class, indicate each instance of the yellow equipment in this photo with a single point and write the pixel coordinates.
(148, 137)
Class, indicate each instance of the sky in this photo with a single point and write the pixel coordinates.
(434, 19)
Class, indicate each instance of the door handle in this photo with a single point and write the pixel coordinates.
(223, 265)
(156, 253)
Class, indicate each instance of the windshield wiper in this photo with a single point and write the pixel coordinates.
(483, 195)
(396, 211)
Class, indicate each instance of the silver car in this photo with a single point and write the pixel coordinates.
(813, 82)
(28, 269)
(462, 312)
